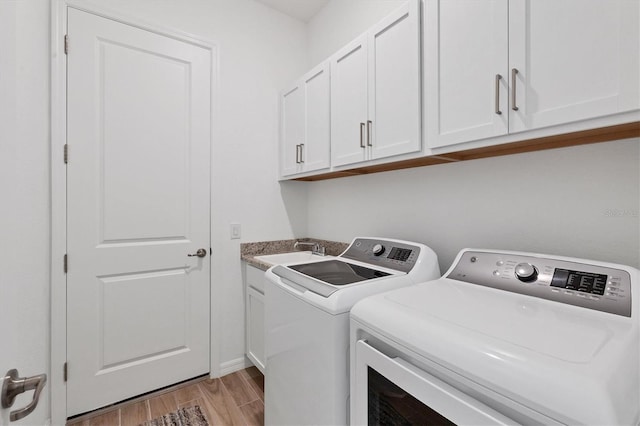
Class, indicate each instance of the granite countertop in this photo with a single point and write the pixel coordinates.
(248, 251)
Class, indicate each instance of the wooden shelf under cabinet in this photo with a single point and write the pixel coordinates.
(603, 134)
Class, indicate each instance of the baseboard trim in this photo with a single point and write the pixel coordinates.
(234, 365)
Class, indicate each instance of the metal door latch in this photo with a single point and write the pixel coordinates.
(13, 385)
(200, 253)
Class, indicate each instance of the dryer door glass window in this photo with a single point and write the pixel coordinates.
(391, 405)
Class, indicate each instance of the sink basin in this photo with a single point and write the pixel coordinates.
(292, 257)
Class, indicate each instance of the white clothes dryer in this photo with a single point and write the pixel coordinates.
(502, 338)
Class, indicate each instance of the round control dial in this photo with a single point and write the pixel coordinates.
(378, 249)
(526, 272)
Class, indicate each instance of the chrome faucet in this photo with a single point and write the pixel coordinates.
(316, 248)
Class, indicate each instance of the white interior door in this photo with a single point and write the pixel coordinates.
(138, 203)
(25, 213)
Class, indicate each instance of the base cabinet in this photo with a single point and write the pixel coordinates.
(254, 316)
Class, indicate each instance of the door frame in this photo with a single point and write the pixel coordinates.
(58, 336)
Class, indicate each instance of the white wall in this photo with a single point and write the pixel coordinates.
(261, 50)
(340, 21)
(24, 192)
(580, 201)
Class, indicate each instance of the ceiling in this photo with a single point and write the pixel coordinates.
(303, 10)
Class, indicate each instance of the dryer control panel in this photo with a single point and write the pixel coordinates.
(586, 285)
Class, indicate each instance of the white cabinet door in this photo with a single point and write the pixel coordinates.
(315, 152)
(493, 68)
(255, 328)
(254, 316)
(375, 91)
(394, 84)
(292, 129)
(465, 70)
(576, 59)
(349, 89)
(305, 123)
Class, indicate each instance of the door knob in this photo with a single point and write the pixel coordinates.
(14, 385)
(200, 253)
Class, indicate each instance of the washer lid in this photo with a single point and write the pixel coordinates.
(337, 272)
(327, 277)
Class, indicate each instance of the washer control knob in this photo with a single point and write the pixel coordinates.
(526, 272)
(378, 249)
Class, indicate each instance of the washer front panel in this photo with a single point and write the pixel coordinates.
(579, 284)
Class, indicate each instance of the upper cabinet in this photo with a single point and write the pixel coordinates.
(305, 123)
(466, 48)
(440, 77)
(375, 91)
(495, 67)
(572, 60)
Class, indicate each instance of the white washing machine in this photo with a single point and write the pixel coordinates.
(502, 338)
(307, 324)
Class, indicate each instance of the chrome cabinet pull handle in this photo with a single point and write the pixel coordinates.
(298, 154)
(514, 72)
(362, 135)
(199, 253)
(369, 127)
(301, 153)
(13, 385)
(497, 101)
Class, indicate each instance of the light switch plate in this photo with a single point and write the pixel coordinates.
(235, 231)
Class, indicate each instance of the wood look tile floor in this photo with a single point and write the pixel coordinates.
(235, 399)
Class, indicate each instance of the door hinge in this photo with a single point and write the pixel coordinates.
(66, 44)
(65, 371)
(65, 263)
(66, 153)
